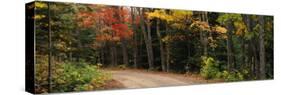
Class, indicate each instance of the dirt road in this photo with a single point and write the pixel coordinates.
(143, 79)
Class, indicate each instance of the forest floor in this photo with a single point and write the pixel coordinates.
(135, 78)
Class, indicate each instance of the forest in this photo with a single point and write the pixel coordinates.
(77, 43)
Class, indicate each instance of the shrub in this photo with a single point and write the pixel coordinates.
(41, 73)
(69, 76)
(80, 77)
(232, 76)
(210, 68)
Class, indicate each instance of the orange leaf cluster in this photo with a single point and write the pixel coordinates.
(115, 19)
(86, 19)
(122, 30)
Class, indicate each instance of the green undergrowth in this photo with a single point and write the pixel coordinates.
(69, 76)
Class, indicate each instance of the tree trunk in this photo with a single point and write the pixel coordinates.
(113, 54)
(147, 39)
(256, 61)
(167, 51)
(135, 46)
(102, 59)
(251, 59)
(243, 64)
(50, 50)
(168, 57)
(230, 58)
(150, 51)
(252, 47)
(246, 20)
(205, 37)
(124, 52)
(162, 54)
(262, 48)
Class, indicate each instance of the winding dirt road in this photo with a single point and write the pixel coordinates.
(143, 79)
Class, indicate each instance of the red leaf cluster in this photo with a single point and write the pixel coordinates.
(115, 18)
(122, 30)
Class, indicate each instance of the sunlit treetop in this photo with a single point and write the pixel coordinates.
(237, 20)
(161, 14)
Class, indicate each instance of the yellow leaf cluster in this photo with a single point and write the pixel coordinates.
(178, 15)
(220, 29)
(161, 14)
(38, 16)
(40, 5)
(204, 26)
(240, 28)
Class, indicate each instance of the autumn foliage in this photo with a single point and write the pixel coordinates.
(226, 46)
(115, 21)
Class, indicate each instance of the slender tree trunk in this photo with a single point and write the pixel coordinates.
(135, 47)
(262, 49)
(230, 58)
(253, 58)
(187, 69)
(256, 61)
(205, 37)
(150, 51)
(124, 52)
(102, 56)
(50, 50)
(168, 57)
(135, 55)
(250, 59)
(167, 51)
(246, 20)
(162, 54)
(147, 39)
(201, 36)
(113, 54)
(243, 54)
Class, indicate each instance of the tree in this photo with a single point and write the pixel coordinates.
(134, 23)
(147, 37)
(173, 18)
(50, 50)
(262, 48)
(228, 20)
(115, 29)
(158, 14)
